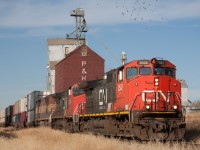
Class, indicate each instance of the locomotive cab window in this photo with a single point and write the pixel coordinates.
(159, 71)
(164, 71)
(131, 72)
(145, 70)
(170, 72)
(78, 91)
(120, 75)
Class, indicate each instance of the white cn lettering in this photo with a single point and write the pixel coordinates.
(156, 96)
(103, 96)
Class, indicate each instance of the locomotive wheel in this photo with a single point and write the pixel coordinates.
(67, 126)
(161, 136)
(141, 133)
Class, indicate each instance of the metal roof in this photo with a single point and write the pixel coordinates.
(63, 41)
(183, 83)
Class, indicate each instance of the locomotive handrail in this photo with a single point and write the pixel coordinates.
(134, 100)
(132, 104)
(178, 96)
(76, 112)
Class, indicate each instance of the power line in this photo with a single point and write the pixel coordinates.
(98, 40)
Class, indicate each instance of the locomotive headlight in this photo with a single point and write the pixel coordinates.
(156, 81)
(147, 107)
(175, 107)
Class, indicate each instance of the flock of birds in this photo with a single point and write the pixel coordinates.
(136, 10)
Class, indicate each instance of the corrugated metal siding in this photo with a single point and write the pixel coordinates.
(23, 117)
(2, 117)
(13, 111)
(77, 67)
(30, 117)
(23, 105)
(9, 110)
(14, 119)
(16, 107)
(17, 118)
(184, 92)
(3, 113)
(33, 97)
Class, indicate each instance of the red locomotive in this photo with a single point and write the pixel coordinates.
(140, 99)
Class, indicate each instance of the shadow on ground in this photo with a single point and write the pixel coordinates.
(192, 134)
(7, 135)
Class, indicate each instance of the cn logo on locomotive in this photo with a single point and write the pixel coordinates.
(156, 95)
(103, 96)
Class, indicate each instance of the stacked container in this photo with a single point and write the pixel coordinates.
(32, 99)
(17, 115)
(13, 115)
(9, 113)
(2, 117)
(19, 118)
(23, 111)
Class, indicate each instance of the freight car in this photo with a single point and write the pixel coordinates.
(141, 99)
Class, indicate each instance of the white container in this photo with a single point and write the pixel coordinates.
(16, 107)
(2, 121)
(3, 113)
(13, 119)
(30, 117)
(23, 105)
(33, 97)
(2, 116)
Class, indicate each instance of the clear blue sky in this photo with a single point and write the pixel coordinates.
(142, 28)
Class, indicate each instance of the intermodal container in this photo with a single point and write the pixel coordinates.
(33, 97)
(2, 117)
(23, 117)
(31, 117)
(8, 118)
(13, 110)
(16, 107)
(23, 105)
(17, 118)
(13, 119)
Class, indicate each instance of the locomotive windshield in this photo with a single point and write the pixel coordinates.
(131, 72)
(164, 71)
(77, 91)
(145, 70)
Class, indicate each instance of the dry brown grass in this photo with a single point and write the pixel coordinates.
(45, 138)
(193, 127)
